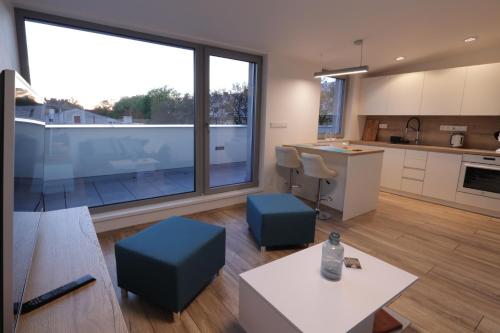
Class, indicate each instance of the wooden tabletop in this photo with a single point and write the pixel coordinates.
(66, 249)
(437, 149)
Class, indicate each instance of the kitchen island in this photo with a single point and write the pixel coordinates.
(355, 188)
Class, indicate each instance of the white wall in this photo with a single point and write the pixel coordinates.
(292, 96)
(8, 44)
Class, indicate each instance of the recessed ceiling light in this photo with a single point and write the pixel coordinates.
(400, 58)
(470, 39)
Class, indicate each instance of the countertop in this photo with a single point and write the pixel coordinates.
(427, 148)
(335, 149)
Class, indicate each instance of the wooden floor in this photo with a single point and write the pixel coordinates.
(456, 255)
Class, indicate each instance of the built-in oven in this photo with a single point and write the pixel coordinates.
(480, 175)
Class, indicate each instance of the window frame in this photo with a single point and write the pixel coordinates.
(218, 52)
(201, 96)
(341, 135)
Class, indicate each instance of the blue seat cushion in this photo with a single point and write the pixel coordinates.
(170, 262)
(280, 219)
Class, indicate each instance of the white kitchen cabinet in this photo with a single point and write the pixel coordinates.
(392, 168)
(441, 175)
(411, 186)
(415, 159)
(443, 91)
(481, 97)
(374, 94)
(405, 94)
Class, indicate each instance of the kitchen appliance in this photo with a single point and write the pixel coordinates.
(480, 175)
(398, 139)
(457, 140)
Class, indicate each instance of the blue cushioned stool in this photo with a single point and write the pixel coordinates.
(280, 219)
(170, 262)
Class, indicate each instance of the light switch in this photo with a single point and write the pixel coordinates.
(279, 124)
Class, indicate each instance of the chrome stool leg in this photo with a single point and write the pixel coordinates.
(322, 215)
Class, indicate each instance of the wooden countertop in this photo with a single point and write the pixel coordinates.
(334, 149)
(437, 149)
(66, 249)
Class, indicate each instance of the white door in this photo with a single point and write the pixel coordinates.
(443, 92)
(374, 94)
(481, 94)
(392, 168)
(441, 175)
(405, 94)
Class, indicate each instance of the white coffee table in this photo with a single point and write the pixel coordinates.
(290, 295)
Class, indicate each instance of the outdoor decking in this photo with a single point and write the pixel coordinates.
(112, 189)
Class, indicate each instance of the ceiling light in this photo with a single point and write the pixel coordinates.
(470, 39)
(400, 58)
(342, 71)
(345, 71)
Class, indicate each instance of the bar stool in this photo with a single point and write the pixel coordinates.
(288, 157)
(314, 166)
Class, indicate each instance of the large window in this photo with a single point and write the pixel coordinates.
(123, 116)
(231, 118)
(331, 108)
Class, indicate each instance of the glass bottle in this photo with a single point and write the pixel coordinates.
(332, 257)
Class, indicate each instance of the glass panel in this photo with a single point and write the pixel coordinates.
(331, 108)
(28, 184)
(487, 180)
(118, 116)
(231, 115)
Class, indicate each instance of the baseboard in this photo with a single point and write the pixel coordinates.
(118, 219)
(443, 202)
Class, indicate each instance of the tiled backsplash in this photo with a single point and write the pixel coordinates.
(479, 133)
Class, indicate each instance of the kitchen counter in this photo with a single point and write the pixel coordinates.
(437, 149)
(326, 147)
(355, 188)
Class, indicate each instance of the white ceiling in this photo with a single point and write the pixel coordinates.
(318, 31)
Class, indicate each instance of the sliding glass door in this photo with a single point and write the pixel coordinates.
(129, 116)
(231, 119)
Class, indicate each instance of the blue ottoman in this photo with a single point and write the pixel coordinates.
(280, 219)
(170, 262)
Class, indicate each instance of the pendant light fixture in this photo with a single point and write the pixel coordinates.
(345, 71)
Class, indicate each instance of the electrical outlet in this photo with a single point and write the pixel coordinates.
(450, 128)
(459, 128)
(382, 126)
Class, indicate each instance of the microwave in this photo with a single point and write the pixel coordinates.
(480, 175)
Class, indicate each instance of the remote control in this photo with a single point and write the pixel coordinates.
(39, 301)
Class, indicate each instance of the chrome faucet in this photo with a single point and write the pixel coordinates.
(416, 129)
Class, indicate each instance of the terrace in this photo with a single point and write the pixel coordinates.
(63, 166)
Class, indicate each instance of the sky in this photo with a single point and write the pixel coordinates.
(91, 67)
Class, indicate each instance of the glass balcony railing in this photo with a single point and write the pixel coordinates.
(103, 164)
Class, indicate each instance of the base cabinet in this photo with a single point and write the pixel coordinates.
(441, 176)
(392, 168)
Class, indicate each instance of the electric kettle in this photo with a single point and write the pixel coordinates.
(457, 140)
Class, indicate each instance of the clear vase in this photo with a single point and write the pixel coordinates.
(332, 258)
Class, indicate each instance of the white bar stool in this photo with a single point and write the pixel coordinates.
(314, 166)
(288, 157)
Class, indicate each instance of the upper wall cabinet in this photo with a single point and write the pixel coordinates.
(443, 91)
(405, 94)
(481, 95)
(467, 91)
(374, 94)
